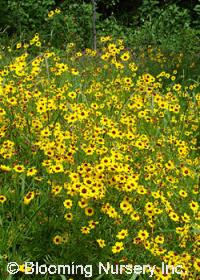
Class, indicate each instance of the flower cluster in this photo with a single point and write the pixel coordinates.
(112, 150)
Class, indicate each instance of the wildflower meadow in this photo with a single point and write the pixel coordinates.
(99, 163)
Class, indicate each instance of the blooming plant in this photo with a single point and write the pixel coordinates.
(98, 161)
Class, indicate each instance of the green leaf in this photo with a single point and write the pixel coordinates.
(9, 277)
(196, 230)
(134, 276)
(99, 277)
(63, 277)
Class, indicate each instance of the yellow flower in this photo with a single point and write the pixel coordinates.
(125, 56)
(92, 224)
(58, 168)
(68, 217)
(177, 87)
(105, 39)
(89, 211)
(65, 238)
(118, 247)
(74, 71)
(72, 94)
(186, 171)
(19, 168)
(68, 203)
(28, 197)
(57, 11)
(50, 14)
(18, 46)
(56, 189)
(2, 199)
(22, 268)
(183, 193)
(82, 203)
(2, 112)
(135, 216)
(101, 243)
(85, 230)
(194, 206)
(31, 171)
(143, 234)
(174, 216)
(197, 264)
(38, 44)
(57, 240)
(122, 234)
(159, 239)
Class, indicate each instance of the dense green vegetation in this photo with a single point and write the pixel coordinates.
(171, 26)
(146, 22)
(99, 138)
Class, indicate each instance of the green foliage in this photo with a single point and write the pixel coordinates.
(197, 10)
(110, 26)
(108, 4)
(25, 15)
(164, 21)
(168, 27)
(73, 24)
(148, 10)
